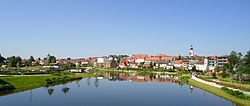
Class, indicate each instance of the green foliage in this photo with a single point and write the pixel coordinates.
(184, 79)
(214, 75)
(247, 58)
(50, 60)
(237, 94)
(234, 59)
(14, 61)
(2, 59)
(5, 85)
(193, 68)
(62, 79)
(243, 69)
(31, 59)
(68, 66)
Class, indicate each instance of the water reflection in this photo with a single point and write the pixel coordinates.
(65, 90)
(191, 88)
(88, 81)
(142, 78)
(96, 83)
(50, 91)
(114, 88)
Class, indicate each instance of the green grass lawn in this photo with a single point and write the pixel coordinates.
(22, 83)
(219, 92)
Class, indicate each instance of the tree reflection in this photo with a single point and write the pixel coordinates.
(78, 83)
(88, 81)
(96, 82)
(50, 91)
(65, 90)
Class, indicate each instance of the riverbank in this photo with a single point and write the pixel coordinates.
(219, 92)
(23, 83)
(228, 81)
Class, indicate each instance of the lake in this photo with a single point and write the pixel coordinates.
(117, 90)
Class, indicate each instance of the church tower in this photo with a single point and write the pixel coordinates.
(191, 51)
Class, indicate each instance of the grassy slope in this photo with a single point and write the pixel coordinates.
(22, 83)
(219, 92)
(230, 81)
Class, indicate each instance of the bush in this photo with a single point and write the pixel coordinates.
(237, 94)
(214, 75)
(6, 87)
(62, 79)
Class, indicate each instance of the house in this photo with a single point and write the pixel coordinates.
(181, 63)
(163, 64)
(222, 61)
(201, 65)
(212, 62)
(138, 58)
(102, 60)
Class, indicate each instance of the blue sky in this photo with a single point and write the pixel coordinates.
(82, 28)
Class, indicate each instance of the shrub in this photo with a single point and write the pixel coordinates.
(237, 94)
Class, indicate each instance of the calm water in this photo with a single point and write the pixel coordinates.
(120, 90)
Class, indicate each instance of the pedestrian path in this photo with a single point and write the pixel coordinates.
(216, 85)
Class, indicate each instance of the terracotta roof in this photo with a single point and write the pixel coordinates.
(139, 56)
(161, 55)
(167, 58)
(212, 57)
(152, 58)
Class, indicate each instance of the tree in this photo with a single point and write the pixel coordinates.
(50, 60)
(179, 57)
(67, 66)
(247, 58)
(2, 59)
(194, 68)
(151, 65)
(233, 60)
(31, 59)
(14, 61)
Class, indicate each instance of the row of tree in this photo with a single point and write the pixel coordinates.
(239, 64)
(16, 61)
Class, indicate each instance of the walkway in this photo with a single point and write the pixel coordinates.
(216, 85)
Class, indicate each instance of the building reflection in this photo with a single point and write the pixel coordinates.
(141, 78)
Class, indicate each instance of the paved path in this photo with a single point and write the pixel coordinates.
(216, 85)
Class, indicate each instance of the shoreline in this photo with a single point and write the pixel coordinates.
(218, 92)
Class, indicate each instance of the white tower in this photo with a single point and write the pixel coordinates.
(191, 51)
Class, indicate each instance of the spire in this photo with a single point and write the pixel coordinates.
(191, 48)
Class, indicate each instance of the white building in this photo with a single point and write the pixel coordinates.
(191, 51)
(101, 60)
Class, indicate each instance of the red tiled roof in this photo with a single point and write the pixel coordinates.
(139, 56)
(152, 58)
(161, 55)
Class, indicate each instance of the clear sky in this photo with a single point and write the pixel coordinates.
(82, 28)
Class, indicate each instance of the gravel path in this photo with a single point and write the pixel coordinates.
(216, 85)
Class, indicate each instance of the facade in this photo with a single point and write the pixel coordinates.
(222, 60)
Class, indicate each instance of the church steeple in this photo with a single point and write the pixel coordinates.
(191, 51)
